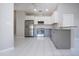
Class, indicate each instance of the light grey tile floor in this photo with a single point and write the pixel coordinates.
(39, 46)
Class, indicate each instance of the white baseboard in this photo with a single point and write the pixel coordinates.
(8, 49)
(19, 36)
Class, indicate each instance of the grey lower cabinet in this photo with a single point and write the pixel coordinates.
(61, 38)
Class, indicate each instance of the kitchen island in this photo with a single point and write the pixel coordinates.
(60, 36)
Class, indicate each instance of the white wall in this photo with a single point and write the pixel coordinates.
(20, 17)
(6, 26)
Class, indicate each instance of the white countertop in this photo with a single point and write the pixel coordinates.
(48, 26)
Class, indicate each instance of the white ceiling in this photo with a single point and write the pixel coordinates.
(40, 8)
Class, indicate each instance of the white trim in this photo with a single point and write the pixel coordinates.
(8, 49)
(19, 36)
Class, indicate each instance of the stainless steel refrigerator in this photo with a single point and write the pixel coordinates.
(29, 28)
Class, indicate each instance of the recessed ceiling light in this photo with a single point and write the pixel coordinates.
(46, 9)
(35, 9)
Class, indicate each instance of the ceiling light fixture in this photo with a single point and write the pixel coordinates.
(46, 9)
(35, 9)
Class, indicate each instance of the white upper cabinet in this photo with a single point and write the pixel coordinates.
(56, 18)
(68, 20)
(46, 19)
